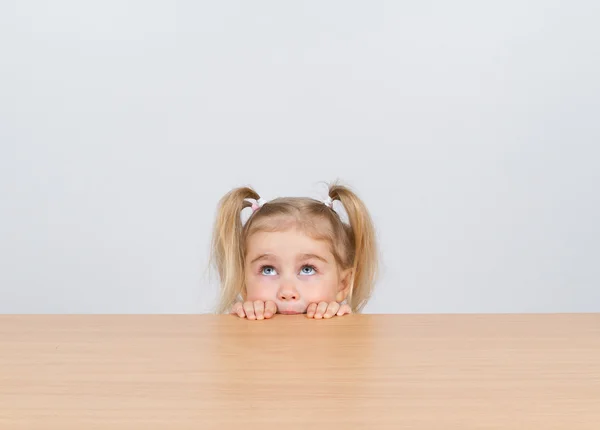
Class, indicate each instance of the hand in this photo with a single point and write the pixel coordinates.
(327, 310)
(256, 310)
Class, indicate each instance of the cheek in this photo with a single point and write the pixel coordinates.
(259, 288)
(319, 290)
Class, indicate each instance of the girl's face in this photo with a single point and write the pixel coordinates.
(293, 270)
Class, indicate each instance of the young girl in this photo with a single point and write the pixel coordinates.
(293, 255)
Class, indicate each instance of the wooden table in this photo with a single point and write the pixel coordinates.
(352, 372)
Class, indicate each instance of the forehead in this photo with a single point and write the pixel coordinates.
(286, 243)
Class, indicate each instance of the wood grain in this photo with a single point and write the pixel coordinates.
(359, 371)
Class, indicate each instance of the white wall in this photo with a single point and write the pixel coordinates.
(471, 130)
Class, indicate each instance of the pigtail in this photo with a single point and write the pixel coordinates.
(226, 244)
(365, 261)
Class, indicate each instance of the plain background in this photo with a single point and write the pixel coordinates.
(471, 130)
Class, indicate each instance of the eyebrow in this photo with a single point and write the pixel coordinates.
(262, 257)
(318, 257)
(301, 257)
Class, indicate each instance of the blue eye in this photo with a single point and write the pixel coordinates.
(268, 271)
(308, 270)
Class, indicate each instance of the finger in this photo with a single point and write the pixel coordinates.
(238, 310)
(321, 308)
(344, 309)
(332, 309)
(249, 309)
(259, 309)
(270, 309)
(310, 311)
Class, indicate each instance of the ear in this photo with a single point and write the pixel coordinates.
(346, 281)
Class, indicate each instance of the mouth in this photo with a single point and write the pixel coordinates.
(288, 312)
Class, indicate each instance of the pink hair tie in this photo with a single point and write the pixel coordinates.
(328, 202)
(259, 204)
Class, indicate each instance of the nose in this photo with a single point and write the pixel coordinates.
(287, 292)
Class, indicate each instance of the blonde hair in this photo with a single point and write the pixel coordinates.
(353, 246)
